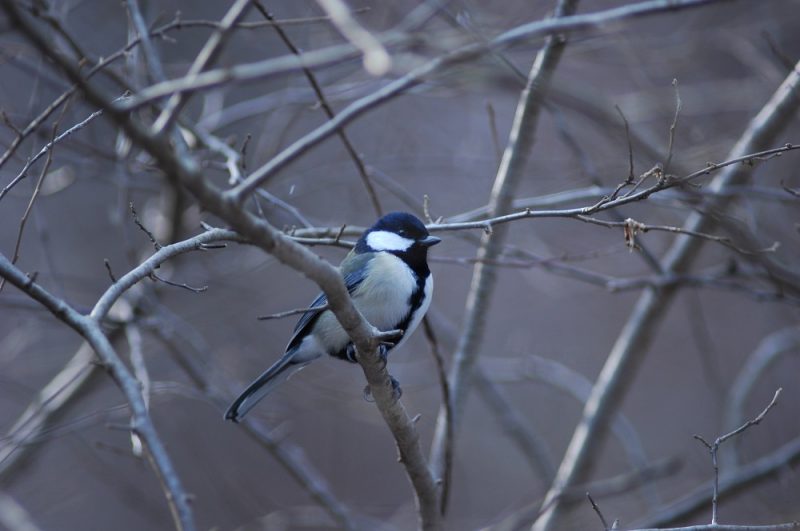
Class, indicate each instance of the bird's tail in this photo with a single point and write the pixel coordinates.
(263, 385)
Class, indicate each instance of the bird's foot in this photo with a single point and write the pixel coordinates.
(350, 353)
(383, 355)
(397, 391)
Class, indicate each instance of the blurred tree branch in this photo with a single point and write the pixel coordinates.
(141, 425)
(196, 162)
(365, 337)
(512, 165)
(631, 345)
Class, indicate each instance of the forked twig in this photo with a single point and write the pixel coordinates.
(714, 447)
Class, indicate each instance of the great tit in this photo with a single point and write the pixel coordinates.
(390, 283)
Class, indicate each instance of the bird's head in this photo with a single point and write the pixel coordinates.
(397, 233)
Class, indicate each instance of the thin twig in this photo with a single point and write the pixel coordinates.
(714, 195)
(631, 172)
(90, 329)
(498, 149)
(713, 449)
(45, 150)
(183, 285)
(512, 166)
(326, 107)
(632, 228)
(23, 221)
(768, 351)
(631, 345)
(673, 126)
(444, 385)
(742, 477)
(289, 313)
(62, 389)
(144, 229)
(366, 339)
(207, 55)
(107, 264)
(596, 509)
(338, 53)
(177, 335)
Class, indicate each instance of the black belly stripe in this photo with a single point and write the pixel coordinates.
(414, 301)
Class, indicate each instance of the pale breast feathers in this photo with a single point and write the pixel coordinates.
(383, 298)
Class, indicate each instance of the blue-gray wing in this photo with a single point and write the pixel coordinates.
(354, 274)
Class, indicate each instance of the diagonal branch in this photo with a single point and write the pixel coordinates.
(364, 336)
(326, 107)
(511, 168)
(338, 53)
(141, 423)
(395, 88)
(631, 345)
(208, 54)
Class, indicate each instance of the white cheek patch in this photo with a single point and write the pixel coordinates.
(382, 240)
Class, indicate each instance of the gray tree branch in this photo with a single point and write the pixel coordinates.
(512, 165)
(634, 339)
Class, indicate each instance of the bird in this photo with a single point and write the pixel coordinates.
(388, 278)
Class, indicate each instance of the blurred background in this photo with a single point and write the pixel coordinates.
(441, 140)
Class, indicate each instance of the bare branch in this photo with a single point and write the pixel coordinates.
(53, 397)
(512, 165)
(629, 180)
(289, 313)
(13, 516)
(326, 106)
(603, 488)
(176, 334)
(714, 448)
(144, 229)
(45, 150)
(312, 59)
(673, 126)
(444, 385)
(366, 339)
(632, 343)
(150, 53)
(632, 228)
(336, 54)
(208, 54)
(90, 329)
(742, 477)
(146, 268)
(376, 59)
(764, 356)
(597, 511)
(713, 195)
(23, 221)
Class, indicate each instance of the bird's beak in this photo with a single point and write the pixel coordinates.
(430, 241)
